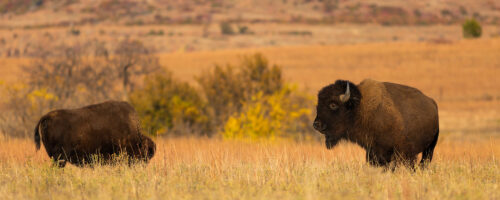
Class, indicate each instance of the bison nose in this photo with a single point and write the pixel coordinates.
(318, 125)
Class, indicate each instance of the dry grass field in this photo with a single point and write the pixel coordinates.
(192, 38)
(315, 42)
(462, 75)
(463, 168)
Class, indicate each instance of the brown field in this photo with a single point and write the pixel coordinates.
(462, 75)
(138, 12)
(193, 38)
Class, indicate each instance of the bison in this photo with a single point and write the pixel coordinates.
(392, 122)
(105, 130)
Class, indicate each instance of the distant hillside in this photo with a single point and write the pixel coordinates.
(27, 13)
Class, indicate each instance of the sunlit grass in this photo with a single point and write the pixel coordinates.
(464, 168)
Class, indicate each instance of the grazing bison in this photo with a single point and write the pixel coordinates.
(391, 122)
(104, 129)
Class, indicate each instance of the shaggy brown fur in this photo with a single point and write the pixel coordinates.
(104, 129)
(390, 121)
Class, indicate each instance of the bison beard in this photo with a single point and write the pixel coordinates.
(105, 130)
(391, 122)
(331, 141)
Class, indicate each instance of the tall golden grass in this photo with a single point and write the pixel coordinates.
(464, 167)
(461, 76)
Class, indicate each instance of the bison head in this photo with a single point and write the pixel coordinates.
(148, 147)
(336, 111)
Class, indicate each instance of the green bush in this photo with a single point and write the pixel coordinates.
(226, 90)
(258, 76)
(168, 106)
(226, 28)
(243, 30)
(471, 29)
(251, 101)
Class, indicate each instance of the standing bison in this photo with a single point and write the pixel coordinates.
(391, 122)
(104, 129)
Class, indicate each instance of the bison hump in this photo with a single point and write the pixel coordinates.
(377, 102)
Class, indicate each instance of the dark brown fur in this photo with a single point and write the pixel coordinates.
(391, 122)
(105, 129)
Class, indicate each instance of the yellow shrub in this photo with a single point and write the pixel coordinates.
(166, 105)
(284, 114)
(227, 88)
(23, 107)
(40, 98)
(20, 94)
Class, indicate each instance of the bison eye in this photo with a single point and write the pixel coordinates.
(333, 106)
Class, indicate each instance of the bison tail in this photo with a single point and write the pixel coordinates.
(37, 132)
(429, 151)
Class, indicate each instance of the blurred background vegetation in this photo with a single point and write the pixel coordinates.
(248, 101)
(73, 53)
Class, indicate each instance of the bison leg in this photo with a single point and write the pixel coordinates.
(78, 158)
(379, 159)
(407, 161)
(58, 161)
(412, 163)
(58, 157)
(371, 158)
(403, 159)
(61, 163)
(385, 158)
(429, 151)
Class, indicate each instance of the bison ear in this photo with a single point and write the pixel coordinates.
(352, 96)
(352, 103)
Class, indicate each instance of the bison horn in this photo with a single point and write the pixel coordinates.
(345, 97)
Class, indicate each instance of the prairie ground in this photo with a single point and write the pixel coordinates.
(19, 42)
(464, 167)
(462, 75)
